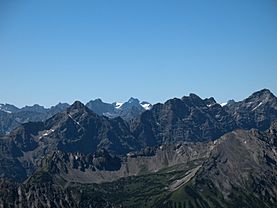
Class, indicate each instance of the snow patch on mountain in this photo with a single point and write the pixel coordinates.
(2, 108)
(118, 105)
(146, 106)
(257, 106)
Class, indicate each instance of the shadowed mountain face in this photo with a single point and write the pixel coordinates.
(84, 131)
(100, 108)
(237, 170)
(257, 111)
(186, 119)
(240, 172)
(77, 129)
(188, 152)
(194, 119)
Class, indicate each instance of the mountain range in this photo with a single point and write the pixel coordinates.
(128, 110)
(12, 116)
(187, 152)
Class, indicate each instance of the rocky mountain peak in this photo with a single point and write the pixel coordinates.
(77, 105)
(98, 100)
(256, 111)
(61, 105)
(99, 107)
(35, 108)
(263, 95)
(8, 108)
(263, 92)
(193, 98)
(58, 108)
(210, 101)
(133, 100)
(78, 109)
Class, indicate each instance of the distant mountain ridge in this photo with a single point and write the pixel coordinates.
(127, 110)
(12, 116)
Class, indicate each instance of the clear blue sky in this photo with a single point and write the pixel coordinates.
(56, 50)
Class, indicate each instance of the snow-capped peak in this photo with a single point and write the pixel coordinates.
(146, 105)
(223, 104)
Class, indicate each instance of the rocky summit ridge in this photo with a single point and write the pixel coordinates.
(12, 116)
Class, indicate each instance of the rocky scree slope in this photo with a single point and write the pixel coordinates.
(237, 170)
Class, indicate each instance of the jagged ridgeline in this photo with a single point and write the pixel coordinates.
(187, 152)
(12, 116)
